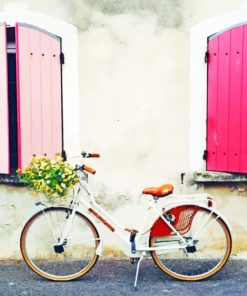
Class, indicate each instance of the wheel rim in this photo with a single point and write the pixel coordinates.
(207, 255)
(42, 252)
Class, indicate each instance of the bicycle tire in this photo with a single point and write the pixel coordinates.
(210, 254)
(38, 243)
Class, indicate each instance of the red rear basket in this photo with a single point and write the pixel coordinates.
(183, 217)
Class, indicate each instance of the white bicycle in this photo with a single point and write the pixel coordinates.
(188, 238)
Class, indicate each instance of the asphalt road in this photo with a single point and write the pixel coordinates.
(116, 277)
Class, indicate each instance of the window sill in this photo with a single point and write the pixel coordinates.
(219, 177)
(12, 179)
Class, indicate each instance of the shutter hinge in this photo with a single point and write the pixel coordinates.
(206, 56)
(62, 58)
(205, 155)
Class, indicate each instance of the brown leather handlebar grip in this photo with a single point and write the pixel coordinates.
(94, 155)
(88, 169)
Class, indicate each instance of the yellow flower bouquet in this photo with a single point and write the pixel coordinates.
(52, 177)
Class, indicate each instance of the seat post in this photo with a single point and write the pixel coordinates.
(156, 198)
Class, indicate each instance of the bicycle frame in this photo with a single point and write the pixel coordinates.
(174, 231)
(96, 213)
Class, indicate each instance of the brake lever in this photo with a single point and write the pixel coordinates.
(84, 154)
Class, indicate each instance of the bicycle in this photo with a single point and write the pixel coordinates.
(188, 239)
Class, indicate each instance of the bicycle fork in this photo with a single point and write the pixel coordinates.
(61, 239)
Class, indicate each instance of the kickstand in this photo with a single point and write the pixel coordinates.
(137, 270)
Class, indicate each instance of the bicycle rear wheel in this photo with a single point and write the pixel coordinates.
(42, 249)
(210, 245)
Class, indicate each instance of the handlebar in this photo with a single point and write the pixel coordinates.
(88, 169)
(84, 167)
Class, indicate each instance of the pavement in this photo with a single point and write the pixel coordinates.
(116, 277)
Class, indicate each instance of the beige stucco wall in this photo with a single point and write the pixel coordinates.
(134, 69)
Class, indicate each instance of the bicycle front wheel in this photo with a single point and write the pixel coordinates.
(57, 260)
(209, 249)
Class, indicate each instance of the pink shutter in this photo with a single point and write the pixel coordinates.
(227, 101)
(4, 113)
(38, 93)
(243, 118)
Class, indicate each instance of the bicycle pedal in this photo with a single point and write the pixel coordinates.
(191, 249)
(59, 249)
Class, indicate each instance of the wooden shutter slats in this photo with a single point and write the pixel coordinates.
(223, 101)
(46, 93)
(235, 94)
(4, 113)
(212, 104)
(56, 95)
(24, 102)
(34, 58)
(243, 132)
